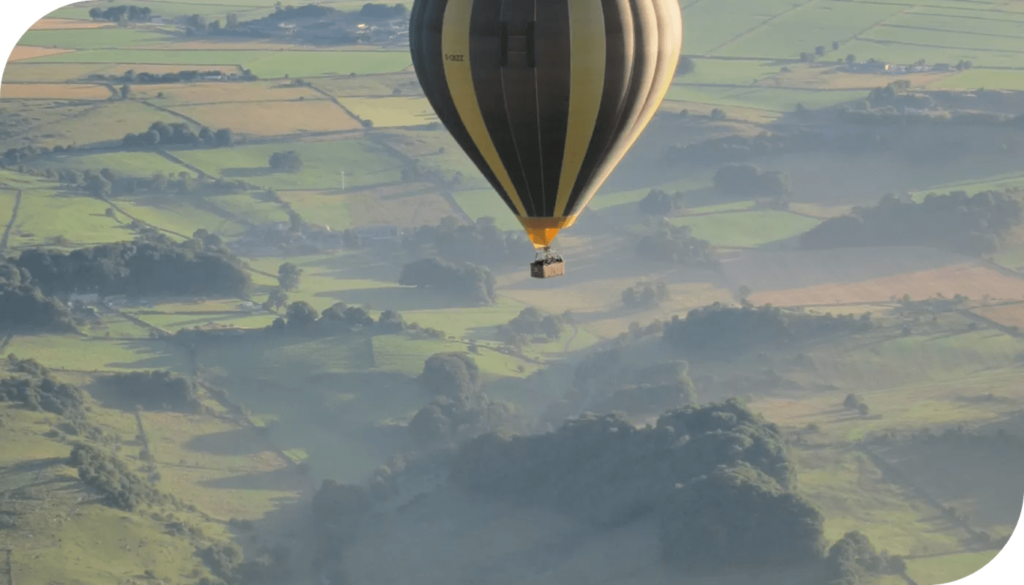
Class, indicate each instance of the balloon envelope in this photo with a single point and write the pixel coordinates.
(545, 96)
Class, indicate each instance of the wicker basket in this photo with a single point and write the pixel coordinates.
(547, 268)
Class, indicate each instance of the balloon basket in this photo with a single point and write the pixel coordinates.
(548, 265)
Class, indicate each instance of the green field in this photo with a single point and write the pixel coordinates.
(103, 38)
(486, 203)
(392, 111)
(746, 229)
(337, 403)
(973, 79)
(364, 163)
(44, 215)
(134, 164)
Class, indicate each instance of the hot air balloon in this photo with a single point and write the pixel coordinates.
(545, 96)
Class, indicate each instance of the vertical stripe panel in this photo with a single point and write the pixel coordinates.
(554, 73)
(644, 66)
(455, 41)
(588, 60)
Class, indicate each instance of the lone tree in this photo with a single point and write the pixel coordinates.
(288, 275)
(277, 299)
(288, 161)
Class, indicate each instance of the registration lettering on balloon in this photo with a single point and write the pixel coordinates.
(545, 97)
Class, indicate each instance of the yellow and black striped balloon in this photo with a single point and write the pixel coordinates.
(545, 96)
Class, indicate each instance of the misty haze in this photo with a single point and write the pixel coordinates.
(268, 314)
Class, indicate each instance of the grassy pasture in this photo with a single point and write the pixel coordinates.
(53, 91)
(380, 85)
(68, 24)
(392, 111)
(947, 568)
(896, 48)
(140, 58)
(108, 122)
(272, 118)
(810, 25)
(221, 92)
(177, 216)
(135, 164)
(91, 38)
(719, 71)
(279, 64)
(82, 220)
(486, 203)
(249, 207)
(964, 41)
(967, 279)
(965, 25)
(1007, 315)
(746, 229)
(776, 99)
(89, 354)
(407, 206)
(329, 208)
(23, 53)
(364, 164)
(973, 79)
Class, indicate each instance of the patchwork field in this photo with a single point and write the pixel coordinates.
(970, 280)
(54, 91)
(273, 118)
(337, 404)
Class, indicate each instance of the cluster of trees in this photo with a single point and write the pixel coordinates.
(183, 76)
(671, 243)
(645, 295)
(606, 382)
(737, 148)
(16, 156)
(339, 318)
(660, 203)
(853, 560)
(465, 281)
(33, 386)
(137, 268)
(107, 183)
(855, 402)
(459, 409)
(122, 13)
(745, 181)
(718, 465)
(480, 242)
(156, 390)
(25, 308)
(969, 224)
(288, 161)
(721, 331)
(272, 565)
(176, 134)
(530, 324)
(120, 487)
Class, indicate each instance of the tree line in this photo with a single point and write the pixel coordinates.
(719, 331)
(25, 308)
(122, 13)
(464, 282)
(480, 242)
(183, 76)
(973, 224)
(676, 244)
(139, 268)
(177, 134)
